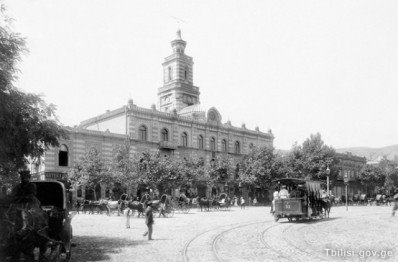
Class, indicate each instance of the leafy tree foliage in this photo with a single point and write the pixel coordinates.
(90, 170)
(28, 125)
(121, 168)
(371, 177)
(391, 181)
(192, 171)
(310, 160)
(260, 167)
(158, 172)
(220, 170)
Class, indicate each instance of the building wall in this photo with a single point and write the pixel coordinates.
(349, 165)
(115, 125)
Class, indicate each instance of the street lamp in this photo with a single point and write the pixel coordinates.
(327, 179)
(346, 189)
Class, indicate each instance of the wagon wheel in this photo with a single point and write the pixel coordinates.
(184, 208)
(169, 212)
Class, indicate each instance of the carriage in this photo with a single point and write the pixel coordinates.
(223, 201)
(164, 206)
(182, 204)
(48, 228)
(305, 200)
(53, 197)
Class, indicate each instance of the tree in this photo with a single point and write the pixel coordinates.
(28, 125)
(220, 170)
(260, 167)
(311, 159)
(89, 171)
(371, 177)
(391, 181)
(121, 167)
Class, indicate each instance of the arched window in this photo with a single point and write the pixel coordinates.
(237, 147)
(63, 156)
(184, 139)
(224, 145)
(142, 132)
(170, 73)
(200, 142)
(212, 144)
(165, 134)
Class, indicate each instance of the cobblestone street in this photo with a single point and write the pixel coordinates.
(361, 234)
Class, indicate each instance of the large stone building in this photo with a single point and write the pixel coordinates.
(177, 126)
(349, 165)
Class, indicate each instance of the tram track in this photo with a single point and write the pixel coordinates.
(265, 243)
(219, 236)
(285, 249)
(189, 243)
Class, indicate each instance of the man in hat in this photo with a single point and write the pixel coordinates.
(25, 192)
(149, 220)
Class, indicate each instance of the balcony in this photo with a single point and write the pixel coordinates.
(167, 145)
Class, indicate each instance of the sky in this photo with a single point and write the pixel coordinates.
(295, 67)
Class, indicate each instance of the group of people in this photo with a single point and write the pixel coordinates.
(284, 193)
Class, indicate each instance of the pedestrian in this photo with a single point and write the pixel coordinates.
(255, 201)
(275, 197)
(149, 220)
(162, 209)
(25, 192)
(395, 205)
(242, 202)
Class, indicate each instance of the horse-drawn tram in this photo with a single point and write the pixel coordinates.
(299, 199)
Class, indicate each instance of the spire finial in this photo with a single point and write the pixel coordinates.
(179, 34)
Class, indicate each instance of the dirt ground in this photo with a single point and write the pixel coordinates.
(360, 234)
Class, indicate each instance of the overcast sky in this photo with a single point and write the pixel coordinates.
(295, 67)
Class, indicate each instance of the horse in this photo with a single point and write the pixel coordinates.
(155, 203)
(132, 205)
(27, 229)
(111, 205)
(363, 200)
(215, 203)
(326, 205)
(203, 203)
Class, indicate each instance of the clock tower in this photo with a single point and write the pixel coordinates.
(178, 90)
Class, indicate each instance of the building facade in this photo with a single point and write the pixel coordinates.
(349, 165)
(178, 126)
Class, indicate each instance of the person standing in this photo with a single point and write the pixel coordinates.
(149, 220)
(242, 202)
(25, 192)
(275, 197)
(395, 199)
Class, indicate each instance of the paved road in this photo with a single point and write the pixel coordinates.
(361, 234)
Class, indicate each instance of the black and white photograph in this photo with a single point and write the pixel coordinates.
(198, 130)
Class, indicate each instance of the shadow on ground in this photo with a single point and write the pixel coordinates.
(97, 248)
(311, 221)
